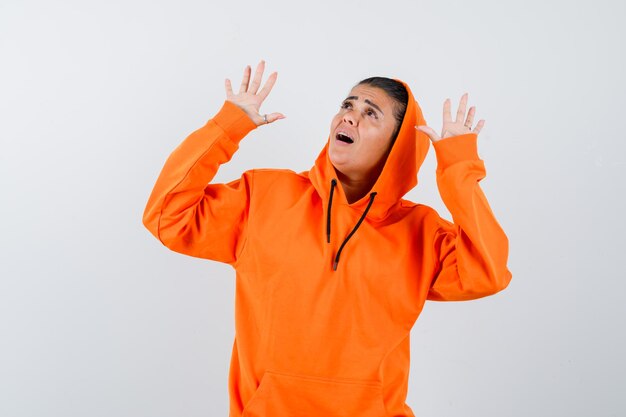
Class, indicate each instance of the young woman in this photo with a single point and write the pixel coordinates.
(332, 265)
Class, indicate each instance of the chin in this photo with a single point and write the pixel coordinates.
(336, 161)
(341, 168)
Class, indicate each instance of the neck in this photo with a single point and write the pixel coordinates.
(355, 187)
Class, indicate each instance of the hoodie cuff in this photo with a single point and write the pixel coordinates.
(234, 121)
(455, 149)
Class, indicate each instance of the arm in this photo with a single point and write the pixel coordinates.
(471, 253)
(195, 218)
(191, 217)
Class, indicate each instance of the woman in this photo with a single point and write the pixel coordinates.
(332, 266)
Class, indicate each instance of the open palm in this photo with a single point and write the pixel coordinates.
(460, 126)
(249, 98)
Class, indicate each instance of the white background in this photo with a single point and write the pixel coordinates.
(97, 318)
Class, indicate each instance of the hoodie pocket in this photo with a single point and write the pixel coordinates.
(288, 395)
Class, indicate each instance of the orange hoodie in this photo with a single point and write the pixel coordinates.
(327, 292)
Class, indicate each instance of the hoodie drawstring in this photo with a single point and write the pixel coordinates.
(330, 199)
(333, 183)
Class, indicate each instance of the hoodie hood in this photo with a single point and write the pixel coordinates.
(398, 176)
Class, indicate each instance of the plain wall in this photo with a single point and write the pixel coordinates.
(97, 318)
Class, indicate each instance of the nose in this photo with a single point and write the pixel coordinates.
(349, 117)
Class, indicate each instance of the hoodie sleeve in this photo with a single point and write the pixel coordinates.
(195, 218)
(471, 253)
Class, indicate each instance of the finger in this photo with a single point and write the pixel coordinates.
(246, 78)
(429, 132)
(447, 118)
(460, 114)
(272, 117)
(268, 85)
(479, 126)
(470, 117)
(258, 75)
(229, 87)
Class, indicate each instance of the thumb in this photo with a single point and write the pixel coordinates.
(429, 132)
(272, 117)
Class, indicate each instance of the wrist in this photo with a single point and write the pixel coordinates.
(455, 149)
(235, 121)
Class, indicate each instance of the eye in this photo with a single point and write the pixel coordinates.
(346, 105)
(372, 113)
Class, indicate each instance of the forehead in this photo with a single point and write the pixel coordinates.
(374, 94)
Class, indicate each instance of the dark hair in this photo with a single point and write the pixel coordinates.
(398, 94)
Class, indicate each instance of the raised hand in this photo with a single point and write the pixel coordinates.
(248, 99)
(461, 125)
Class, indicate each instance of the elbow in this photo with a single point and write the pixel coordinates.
(495, 273)
(151, 220)
(176, 236)
(498, 281)
(505, 279)
(146, 220)
(490, 284)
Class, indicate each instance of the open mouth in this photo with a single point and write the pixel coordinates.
(344, 137)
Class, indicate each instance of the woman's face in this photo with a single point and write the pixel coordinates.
(360, 133)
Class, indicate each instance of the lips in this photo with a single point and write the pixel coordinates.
(344, 136)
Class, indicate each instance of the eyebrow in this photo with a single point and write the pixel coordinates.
(371, 103)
